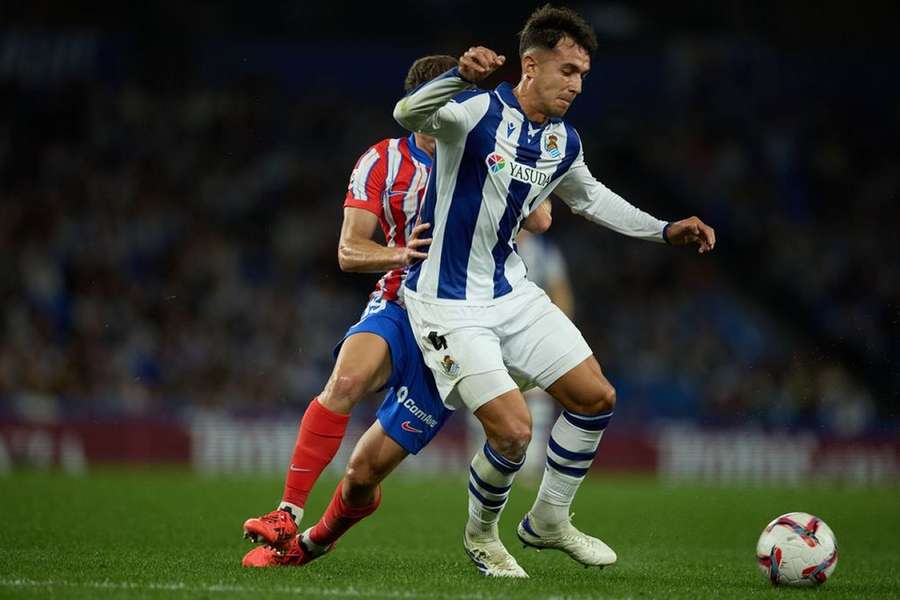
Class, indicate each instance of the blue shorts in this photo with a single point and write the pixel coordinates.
(412, 412)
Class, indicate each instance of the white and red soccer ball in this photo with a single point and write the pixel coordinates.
(797, 549)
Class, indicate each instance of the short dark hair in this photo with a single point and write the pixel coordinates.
(426, 69)
(549, 24)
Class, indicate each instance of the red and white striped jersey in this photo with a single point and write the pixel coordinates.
(389, 181)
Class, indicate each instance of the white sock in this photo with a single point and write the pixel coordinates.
(490, 479)
(570, 453)
(296, 511)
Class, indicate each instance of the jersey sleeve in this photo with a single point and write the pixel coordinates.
(591, 199)
(432, 110)
(367, 181)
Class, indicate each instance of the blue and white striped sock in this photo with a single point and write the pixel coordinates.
(490, 479)
(570, 453)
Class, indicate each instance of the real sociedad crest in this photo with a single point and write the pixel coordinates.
(551, 147)
(450, 366)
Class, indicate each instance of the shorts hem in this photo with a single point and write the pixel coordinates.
(400, 443)
(566, 363)
(491, 393)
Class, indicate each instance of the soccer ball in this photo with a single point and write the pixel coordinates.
(797, 549)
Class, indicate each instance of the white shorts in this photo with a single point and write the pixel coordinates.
(524, 333)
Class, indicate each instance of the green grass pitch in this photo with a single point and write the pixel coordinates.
(170, 534)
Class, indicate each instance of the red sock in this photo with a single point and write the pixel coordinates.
(320, 436)
(339, 517)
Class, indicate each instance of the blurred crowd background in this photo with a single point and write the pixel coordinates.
(172, 178)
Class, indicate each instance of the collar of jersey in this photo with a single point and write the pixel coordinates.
(505, 91)
(417, 153)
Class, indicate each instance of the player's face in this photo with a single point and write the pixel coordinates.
(558, 75)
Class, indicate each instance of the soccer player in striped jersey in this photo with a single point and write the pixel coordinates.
(378, 352)
(478, 320)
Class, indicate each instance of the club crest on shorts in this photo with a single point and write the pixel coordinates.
(450, 366)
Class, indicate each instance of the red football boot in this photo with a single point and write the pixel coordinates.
(276, 529)
(292, 554)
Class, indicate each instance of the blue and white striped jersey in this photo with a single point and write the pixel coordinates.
(492, 168)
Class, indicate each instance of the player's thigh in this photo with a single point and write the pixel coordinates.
(547, 347)
(374, 457)
(412, 412)
(584, 389)
(363, 365)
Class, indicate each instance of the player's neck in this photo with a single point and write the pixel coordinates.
(523, 94)
(425, 143)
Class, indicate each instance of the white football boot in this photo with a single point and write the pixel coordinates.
(585, 549)
(491, 557)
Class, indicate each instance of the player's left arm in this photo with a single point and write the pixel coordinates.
(597, 203)
(689, 231)
(429, 109)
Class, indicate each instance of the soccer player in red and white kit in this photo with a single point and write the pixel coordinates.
(386, 188)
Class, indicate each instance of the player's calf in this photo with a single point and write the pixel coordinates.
(339, 517)
(361, 481)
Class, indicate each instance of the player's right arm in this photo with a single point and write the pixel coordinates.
(359, 253)
(363, 207)
(429, 110)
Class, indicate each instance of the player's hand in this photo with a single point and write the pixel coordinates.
(689, 231)
(478, 62)
(415, 245)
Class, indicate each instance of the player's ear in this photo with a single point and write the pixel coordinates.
(529, 65)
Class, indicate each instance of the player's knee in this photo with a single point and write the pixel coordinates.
(344, 390)
(602, 399)
(605, 399)
(513, 441)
